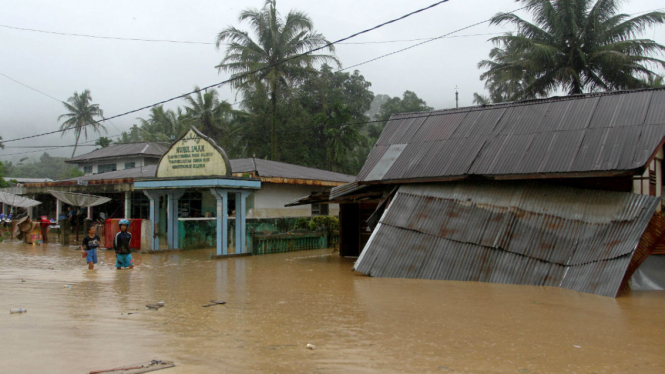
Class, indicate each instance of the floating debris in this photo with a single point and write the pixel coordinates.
(147, 367)
(153, 306)
(311, 346)
(214, 303)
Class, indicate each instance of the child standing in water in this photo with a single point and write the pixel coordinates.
(121, 246)
(89, 247)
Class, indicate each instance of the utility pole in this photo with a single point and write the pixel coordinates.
(456, 97)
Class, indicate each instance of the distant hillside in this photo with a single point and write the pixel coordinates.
(47, 167)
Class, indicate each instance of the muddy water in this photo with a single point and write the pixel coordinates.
(277, 304)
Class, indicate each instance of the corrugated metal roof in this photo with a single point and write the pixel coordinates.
(606, 132)
(263, 168)
(29, 180)
(345, 189)
(509, 232)
(133, 173)
(267, 168)
(154, 150)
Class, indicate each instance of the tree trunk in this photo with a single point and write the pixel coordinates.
(273, 135)
(76, 144)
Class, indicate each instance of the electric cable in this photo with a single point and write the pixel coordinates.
(241, 76)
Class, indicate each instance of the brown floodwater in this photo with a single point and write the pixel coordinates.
(277, 304)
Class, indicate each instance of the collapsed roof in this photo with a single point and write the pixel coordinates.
(514, 232)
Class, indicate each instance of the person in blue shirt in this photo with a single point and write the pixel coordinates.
(89, 247)
(121, 245)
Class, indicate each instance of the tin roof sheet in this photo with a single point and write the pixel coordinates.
(602, 132)
(509, 232)
(264, 168)
(151, 149)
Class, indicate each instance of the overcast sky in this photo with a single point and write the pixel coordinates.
(124, 75)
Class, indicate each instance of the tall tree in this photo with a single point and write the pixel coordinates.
(81, 116)
(162, 124)
(211, 115)
(574, 45)
(409, 102)
(332, 103)
(103, 141)
(277, 52)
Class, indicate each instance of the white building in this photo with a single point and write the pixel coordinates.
(119, 157)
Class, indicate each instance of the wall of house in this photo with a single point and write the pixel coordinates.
(120, 163)
(651, 182)
(270, 200)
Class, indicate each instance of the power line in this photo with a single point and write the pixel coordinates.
(418, 39)
(45, 94)
(199, 42)
(32, 88)
(104, 37)
(426, 41)
(55, 146)
(327, 45)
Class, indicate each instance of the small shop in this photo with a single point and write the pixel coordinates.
(194, 168)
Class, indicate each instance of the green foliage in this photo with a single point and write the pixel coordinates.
(276, 41)
(3, 183)
(301, 223)
(317, 223)
(81, 116)
(574, 45)
(410, 102)
(74, 173)
(46, 167)
(103, 142)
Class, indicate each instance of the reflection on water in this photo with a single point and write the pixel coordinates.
(276, 304)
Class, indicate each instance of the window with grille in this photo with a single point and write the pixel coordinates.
(130, 165)
(87, 169)
(319, 209)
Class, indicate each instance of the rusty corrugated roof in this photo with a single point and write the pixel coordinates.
(509, 232)
(577, 135)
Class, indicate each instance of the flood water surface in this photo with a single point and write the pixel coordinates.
(277, 304)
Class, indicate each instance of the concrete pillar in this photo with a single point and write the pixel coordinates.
(154, 216)
(241, 238)
(90, 213)
(58, 209)
(172, 217)
(128, 204)
(222, 220)
(4, 209)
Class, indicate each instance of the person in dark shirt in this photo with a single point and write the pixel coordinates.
(121, 245)
(89, 247)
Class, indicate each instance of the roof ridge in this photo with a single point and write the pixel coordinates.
(528, 102)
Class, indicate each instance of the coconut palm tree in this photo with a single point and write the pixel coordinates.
(574, 45)
(278, 53)
(103, 142)
(205, 111)
(81, 116)
(162, 124)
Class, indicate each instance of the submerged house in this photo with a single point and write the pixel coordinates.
(111, 172)
(555, 192)
(123, 166)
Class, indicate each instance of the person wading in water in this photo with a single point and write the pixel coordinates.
(89, 247)
(121, 245)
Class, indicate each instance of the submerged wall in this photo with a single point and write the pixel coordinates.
(264, 235)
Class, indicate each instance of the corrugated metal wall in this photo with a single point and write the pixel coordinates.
(509, 232)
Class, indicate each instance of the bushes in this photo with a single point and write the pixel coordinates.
(317, 223)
